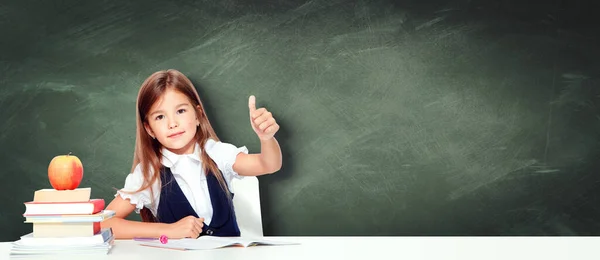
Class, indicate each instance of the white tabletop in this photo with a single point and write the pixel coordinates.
(462, 248)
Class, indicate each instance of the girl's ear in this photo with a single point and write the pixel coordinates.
(149, 130)
(199, 114)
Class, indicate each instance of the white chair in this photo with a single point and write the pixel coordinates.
(246, 201)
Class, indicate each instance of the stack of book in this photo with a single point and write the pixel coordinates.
(64, 222)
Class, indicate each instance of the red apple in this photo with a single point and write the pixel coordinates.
(65, 172)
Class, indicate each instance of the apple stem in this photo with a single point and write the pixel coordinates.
(69, 154)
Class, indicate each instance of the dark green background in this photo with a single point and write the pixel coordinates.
(397, 118)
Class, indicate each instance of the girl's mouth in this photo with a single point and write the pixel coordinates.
(176, 134)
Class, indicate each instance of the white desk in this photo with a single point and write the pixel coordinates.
(368, 248)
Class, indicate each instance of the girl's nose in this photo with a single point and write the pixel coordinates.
(172, 124)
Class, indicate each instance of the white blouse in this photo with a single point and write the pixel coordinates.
(188, 172)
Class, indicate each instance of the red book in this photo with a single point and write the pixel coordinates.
(92, 206)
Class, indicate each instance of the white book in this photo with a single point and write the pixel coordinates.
(45, 253)
(213, 242)
(98, 217)
(29, 240)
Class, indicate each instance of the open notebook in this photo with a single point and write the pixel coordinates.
(212, 242)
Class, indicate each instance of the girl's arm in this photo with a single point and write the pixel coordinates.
(128, 229)
(267, 161)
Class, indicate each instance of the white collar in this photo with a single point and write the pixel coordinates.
(169, 159)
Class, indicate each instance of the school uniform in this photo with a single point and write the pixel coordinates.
(186, 190)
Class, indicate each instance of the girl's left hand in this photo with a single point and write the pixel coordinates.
(262, 121)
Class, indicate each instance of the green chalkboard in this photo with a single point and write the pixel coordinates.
(413, 118)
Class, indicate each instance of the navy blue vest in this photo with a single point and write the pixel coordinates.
(173, 206)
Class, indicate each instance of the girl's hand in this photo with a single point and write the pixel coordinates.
(262, 121)
(188, 227)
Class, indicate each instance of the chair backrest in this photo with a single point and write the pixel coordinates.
(246, 201)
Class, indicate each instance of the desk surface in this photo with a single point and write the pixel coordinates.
(462, 248)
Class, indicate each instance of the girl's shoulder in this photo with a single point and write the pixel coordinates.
(224, 155)
(136, 177)
(212, 143)
(218, 150)
(140, 198)
(137, 171)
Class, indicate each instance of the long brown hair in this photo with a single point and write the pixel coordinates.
(148, 150)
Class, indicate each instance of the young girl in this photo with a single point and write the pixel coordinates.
(181, 172)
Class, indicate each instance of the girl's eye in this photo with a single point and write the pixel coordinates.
(159, 117)
(181, 111)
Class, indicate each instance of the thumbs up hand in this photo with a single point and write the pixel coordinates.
(262, 121)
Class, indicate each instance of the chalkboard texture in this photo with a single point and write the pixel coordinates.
(397, 117)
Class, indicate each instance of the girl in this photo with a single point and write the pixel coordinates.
(181, 171)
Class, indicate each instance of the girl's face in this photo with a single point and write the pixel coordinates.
(172, 120)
